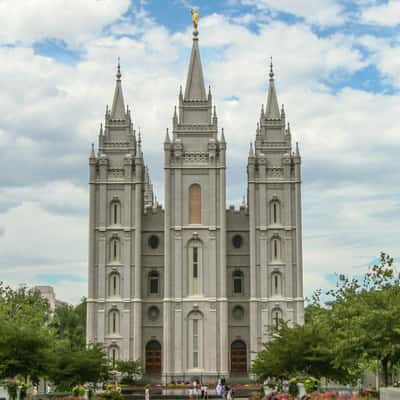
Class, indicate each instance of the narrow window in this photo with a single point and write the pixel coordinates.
(115, 249)
(195, 343)
(114, 285)
(115, 213)
(275, 214)
(114, 322)
(276, 320)
(195, 204)
(114, 357)
(237, 282)
(276, 283)
(275, 248)
(195, 262)
(154, 282)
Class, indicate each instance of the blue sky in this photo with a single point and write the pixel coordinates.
(337, 71)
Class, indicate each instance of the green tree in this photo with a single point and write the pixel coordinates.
(132, 369)
(25, 337)
(75, 367)
(69, 323)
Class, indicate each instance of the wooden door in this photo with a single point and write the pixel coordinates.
(238, 357)
(153, 357)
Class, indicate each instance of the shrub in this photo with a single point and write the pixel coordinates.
(311, 384)
(78, 391)
(293, 388)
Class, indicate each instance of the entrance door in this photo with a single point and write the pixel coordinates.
(153, 357)
(238, 357)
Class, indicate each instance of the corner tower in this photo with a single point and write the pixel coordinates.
(274, 203)
(195, 300)
(116, 196)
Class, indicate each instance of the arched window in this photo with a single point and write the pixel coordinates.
(195, 352)
(113, 355)
(276, 284)
(113, 322)
(275, 212)
(114, 249)
(154, 282)
(195, 267)
(115, 212)
(276, 318)
(238, 282)
(114, 284)
(276, 248)
(195, 204)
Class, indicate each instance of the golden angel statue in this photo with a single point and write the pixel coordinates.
(195, 18)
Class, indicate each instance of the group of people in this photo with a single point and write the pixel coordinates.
(198, 391)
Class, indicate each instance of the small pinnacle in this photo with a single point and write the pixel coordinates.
(101, 129)
(297, 149)
(222, 135)
(283, 109)
(92, 152)
(119, 70)
(251, 152)
(167, 139)
(271, 70)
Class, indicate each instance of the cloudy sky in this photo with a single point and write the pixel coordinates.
(337, 66)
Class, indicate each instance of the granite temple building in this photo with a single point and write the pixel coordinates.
(192, 288)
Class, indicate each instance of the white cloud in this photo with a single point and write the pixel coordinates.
(73, 20)
(51, 113)
(319, 12)
(384, 14)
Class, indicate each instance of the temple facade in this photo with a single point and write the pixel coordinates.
(193, 288)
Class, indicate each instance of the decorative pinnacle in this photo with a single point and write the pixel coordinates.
(92, 155)
(271, 70)
(119, 70)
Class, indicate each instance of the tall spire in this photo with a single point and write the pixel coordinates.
(118, 106)
(195, 89)
(272, 110)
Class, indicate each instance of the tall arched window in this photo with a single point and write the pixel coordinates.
(276, 318)
(275, 211)
(154, 282)
(113, 322)
(114, 284)
(115, 212)
(195, 268)
(276, 284)
(238, 282)
(195, 352)
(114, 249)
(113, 355)
(195, 204)
(276, 248)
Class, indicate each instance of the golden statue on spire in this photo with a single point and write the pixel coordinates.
(195, 18)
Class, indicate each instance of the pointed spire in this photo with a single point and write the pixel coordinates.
(209, 92)
(195, 89)
(92, 153)
(118, 107)
(297, 149)
(101, 129)
(251, 152)
(223, 136)
(272, 110)
(288, 128)
(167, 139)
(175, 117)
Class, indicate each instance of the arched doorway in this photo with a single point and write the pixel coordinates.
(238, 357)
(153, 357)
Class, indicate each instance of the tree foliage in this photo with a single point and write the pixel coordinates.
(132, 369)
(358, 324)
(36, 343)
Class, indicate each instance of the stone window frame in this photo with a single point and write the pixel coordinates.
(115, 211)
(113, 354)
(275, 208)
(276, 283)
(276, 316)
(115, 248)
(195, 323)
(239, 276)
(195, 204)
(153, 275)
(195, 284)
(114, 320)
(114, 290)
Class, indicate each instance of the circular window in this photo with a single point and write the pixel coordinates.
(238, 313)
(237, 241)
(154, 241)
(153, 313)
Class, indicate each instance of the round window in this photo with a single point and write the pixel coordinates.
(154, 241)
(237, 241)
(153, 313)
(238, 313)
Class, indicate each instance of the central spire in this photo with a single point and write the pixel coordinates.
(195, 88)
(118, 106)
(272, 110)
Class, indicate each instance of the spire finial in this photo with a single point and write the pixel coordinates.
(92, 154)
(251, 151)
(195, 20)
(119, 69)
(271, 69)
